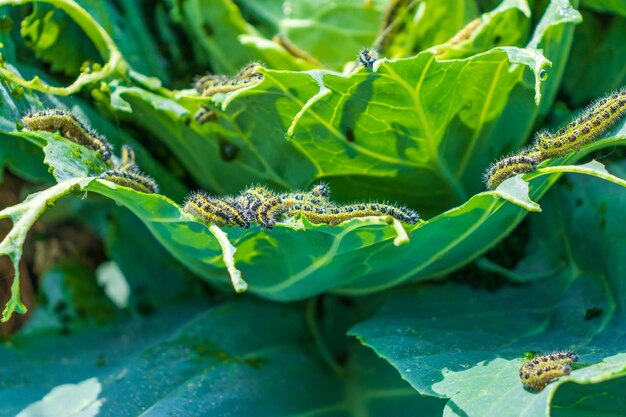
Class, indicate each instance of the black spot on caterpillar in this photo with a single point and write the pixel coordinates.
(70, 127)
(596, 119)
(507, 167)
(131, 179)
(214, 210)
(538, 372)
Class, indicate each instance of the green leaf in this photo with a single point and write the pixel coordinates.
(607, 6)
(237, 358)
(595, 67)
(48, 31)
(327, 258)
(466, 344)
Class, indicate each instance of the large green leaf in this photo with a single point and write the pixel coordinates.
(466, 344)
(441, 119)
(418, 130)
(235, 359)
(298, 259)
(596, 65)
(607, 6)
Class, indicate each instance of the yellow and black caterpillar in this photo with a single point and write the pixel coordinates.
(261, 205)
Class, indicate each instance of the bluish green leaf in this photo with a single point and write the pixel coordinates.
(235, 359)
(466, 345)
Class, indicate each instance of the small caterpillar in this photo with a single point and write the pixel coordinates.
(210, 85)
(538, 372)
(214, 210)
(250, 200)
(268, 211)
(507, 167)
(131, 179)
(538, 378)
(70, 127)
(205, 115)
(367, 58)
(127, 160)
(321, 190)
(586, 128)
(336, 215)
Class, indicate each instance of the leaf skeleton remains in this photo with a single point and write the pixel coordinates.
(596, 119)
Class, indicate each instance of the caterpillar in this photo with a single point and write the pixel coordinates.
(367, 58)
(205, 115)
(507, 167)
(214, 210)
(336, 215)
(251, 198)
(70, 127)
(540, 377)
(210, 85)
(131, 179)
(596, 119)
(538, 372)
(270, 209)
(321, 190)
(127, 160)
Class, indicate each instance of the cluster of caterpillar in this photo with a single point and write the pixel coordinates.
(70, 127)
(260, 204)
(538, 372)
(126, 173)
(596, 119)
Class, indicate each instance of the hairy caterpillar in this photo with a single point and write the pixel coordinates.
(214, 210)
(367, 58)
(336, 215)
(586, 128)
(70, 127)
(204, 115)
(210, 85)
(539, 377)
(131, 179)
(250, 200)
(507, 167)
(538, 372)
(127, 160)
(268, 212)
(321, 190)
